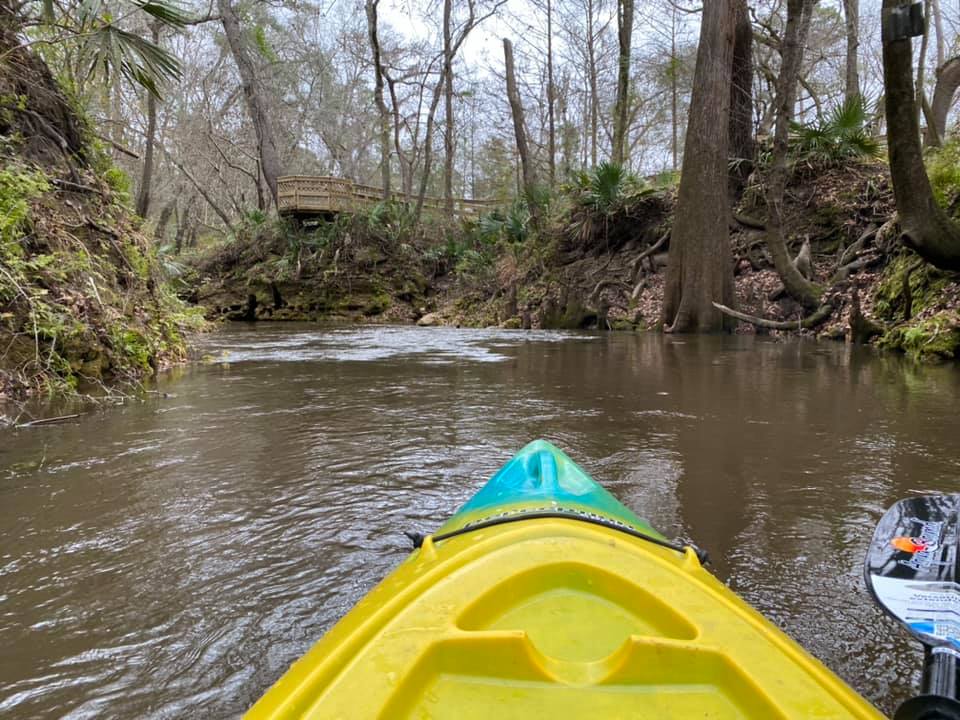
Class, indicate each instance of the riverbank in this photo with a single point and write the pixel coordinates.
(597, 262)
(84, 298)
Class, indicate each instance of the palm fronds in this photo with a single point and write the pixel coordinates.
(843, 134)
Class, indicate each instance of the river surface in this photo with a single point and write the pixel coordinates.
(171, 557)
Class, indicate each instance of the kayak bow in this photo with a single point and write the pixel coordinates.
(544, 597)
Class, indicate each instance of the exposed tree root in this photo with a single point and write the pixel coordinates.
(818, 317)
(862, 329)
(636, 266)
(749, 222)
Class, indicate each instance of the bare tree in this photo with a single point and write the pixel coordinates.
(851, 16)
(741, 103)
(258, 105)
(621, 106)
(146, 176)
(382, 109)
(551, 99)
(799, 15)
(520, 132)
(448, 143)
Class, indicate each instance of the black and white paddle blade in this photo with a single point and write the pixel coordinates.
(911, 567)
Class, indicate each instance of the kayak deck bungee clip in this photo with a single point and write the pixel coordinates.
(681, 547)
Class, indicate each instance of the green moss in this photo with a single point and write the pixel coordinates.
(139, 262)
(926, 287)
(72, 313)
(943, 168)
(931, 339)
(377, 304)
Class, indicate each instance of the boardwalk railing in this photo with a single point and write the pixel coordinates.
(314, 195)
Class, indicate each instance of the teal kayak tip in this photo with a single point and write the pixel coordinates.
(542, 477)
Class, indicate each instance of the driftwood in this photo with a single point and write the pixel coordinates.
(48, 421)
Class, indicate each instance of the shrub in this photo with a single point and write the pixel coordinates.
(843, 134)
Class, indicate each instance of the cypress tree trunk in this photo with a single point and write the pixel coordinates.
(700, 270)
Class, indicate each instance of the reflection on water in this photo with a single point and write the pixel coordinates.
(173, 557)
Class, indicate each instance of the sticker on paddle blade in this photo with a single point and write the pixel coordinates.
(911, 567)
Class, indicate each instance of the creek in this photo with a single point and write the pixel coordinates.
(172, 556)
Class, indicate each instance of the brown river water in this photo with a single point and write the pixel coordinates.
(172, 556)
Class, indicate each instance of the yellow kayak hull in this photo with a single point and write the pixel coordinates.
(556, 618)
(543, 597)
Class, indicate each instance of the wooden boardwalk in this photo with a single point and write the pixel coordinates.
(311, 195)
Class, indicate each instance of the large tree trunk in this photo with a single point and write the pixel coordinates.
(519, 129)
(851, 14)
(258, 105)
(926, 227)
(700, 269)
(382, 109)
(741, 103)
(799, 14)
(622, 104)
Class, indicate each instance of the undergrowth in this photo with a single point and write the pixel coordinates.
(83, 297)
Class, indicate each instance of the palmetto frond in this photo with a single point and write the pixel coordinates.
(843, 134)
(107, 48)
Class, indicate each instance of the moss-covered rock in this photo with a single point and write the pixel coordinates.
(891, 294)
(933, 339)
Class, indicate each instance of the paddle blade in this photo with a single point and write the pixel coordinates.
(911, 567)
